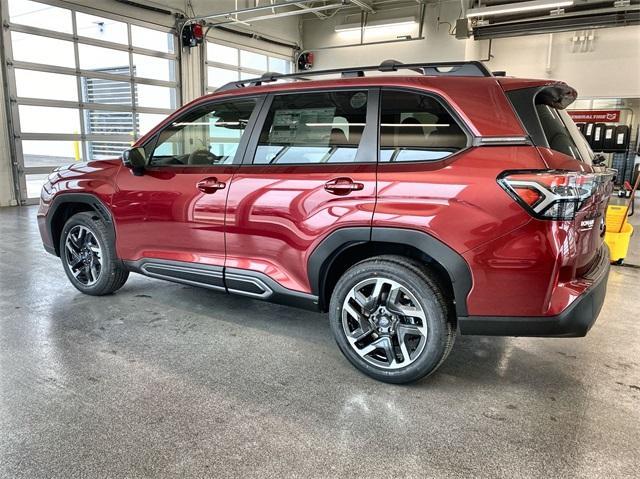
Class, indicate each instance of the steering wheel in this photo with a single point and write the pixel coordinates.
(202, 157)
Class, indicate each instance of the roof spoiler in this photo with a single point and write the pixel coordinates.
(558, 96)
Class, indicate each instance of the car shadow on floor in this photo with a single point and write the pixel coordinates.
(474, 360)
(197, 347)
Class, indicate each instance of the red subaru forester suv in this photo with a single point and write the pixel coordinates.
(407, 207)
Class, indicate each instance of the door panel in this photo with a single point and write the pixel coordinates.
(175, 210)
(164, 215)
(310, 169)
(276, 216)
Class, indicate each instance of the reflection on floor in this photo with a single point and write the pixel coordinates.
(171, 381)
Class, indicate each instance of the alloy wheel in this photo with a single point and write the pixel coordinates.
(384, 323)
(83, 255)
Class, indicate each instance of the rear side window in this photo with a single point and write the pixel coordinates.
(544, 116)
(556, 132)
(313, 128)
(415, 127)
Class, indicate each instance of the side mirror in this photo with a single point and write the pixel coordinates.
(136, 159)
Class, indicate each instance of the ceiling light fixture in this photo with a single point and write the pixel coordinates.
(354, 27)
(518, 7)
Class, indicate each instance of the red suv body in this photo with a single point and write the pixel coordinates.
(277, 191)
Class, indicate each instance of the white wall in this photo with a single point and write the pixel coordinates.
(610, 68)
(437, 46)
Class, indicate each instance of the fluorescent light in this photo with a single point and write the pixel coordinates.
(353, 27)
(518, 7)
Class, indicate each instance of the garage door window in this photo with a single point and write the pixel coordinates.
(227, 64)
(86, 83)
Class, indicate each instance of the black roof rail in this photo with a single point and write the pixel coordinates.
(462, 68)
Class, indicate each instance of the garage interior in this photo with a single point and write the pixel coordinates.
(168, 380)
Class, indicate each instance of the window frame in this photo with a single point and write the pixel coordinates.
(447, 107)
(209, 104)
(369, 141)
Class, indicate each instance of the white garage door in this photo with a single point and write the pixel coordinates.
(226, 63)
(82, 84)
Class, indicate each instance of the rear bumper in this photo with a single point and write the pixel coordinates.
(575, 321)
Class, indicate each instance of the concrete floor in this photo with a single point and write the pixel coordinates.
(172, 381)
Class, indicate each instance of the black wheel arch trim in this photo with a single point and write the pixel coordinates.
(323, 256)
(83, 198)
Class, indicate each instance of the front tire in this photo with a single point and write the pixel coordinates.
(390, 319)
(89, 257)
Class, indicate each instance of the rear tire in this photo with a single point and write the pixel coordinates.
(391, 320)
(88, 255)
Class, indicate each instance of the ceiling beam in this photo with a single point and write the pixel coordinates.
(320, 15)
(364, 5)
(288, 3)
(231, 19)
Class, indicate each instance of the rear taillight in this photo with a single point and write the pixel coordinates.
(552, 194)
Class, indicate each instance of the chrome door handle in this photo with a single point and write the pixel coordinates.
(342, 186)
(210, 185)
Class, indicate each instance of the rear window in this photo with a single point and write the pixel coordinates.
(555, 130)
(544, 116)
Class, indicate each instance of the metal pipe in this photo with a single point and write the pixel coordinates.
(489, 55)
(549, 53)
(320, 15)
(382, 42)
(363, 5)
(287, 3)
(282, 14)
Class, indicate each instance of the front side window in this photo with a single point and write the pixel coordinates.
(415, 127)
(209, 135)
(313, 128)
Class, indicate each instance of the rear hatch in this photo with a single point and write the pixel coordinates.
(572, 193)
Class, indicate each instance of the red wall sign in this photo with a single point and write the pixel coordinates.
(592, 116)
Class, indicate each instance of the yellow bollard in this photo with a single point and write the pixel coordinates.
(76, 148)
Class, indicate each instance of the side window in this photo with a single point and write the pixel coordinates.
(207, 136)
(312, 128)
(556, 132)
(415, 127)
